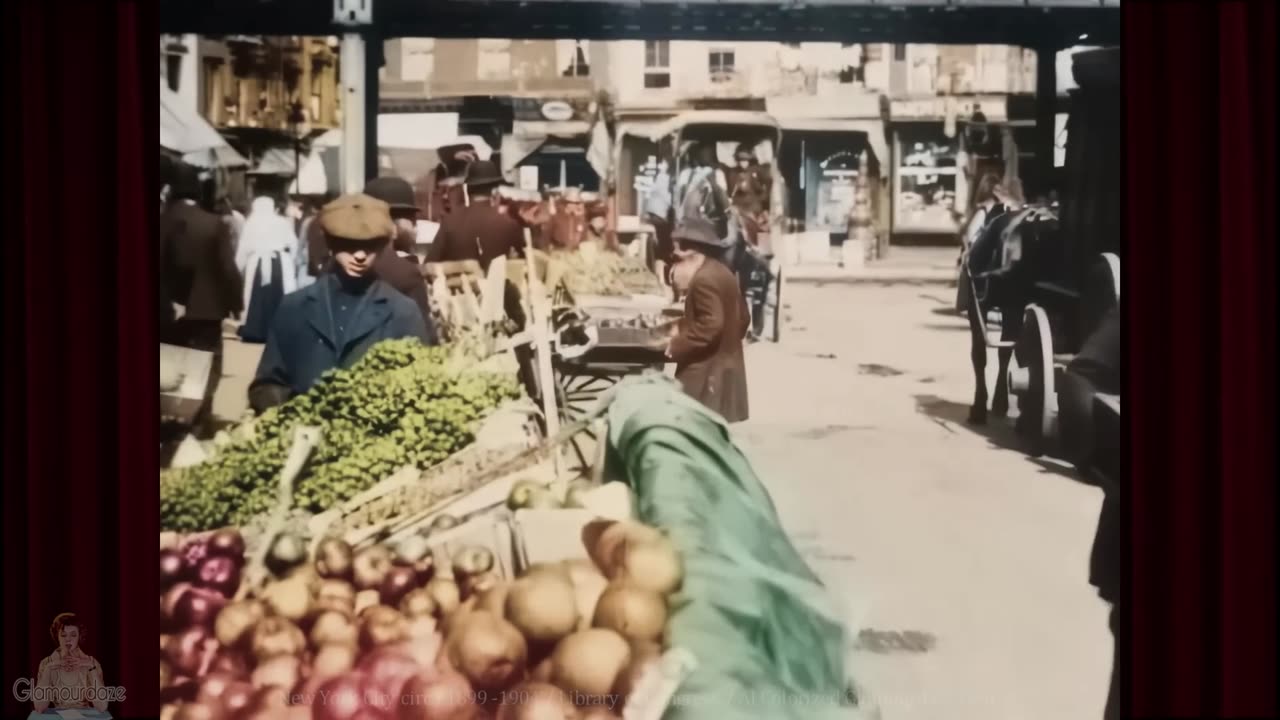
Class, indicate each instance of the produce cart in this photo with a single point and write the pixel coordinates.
(664, 587)
(604, 338)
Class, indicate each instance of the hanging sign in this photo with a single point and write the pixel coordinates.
(557, 111)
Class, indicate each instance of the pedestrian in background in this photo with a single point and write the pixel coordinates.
(398, 266)
(302, 258)
(199, 273)
(478, 231)
(266, 262)
(707, 344)
(317, 245)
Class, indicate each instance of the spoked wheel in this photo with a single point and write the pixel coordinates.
(576, 395)
(1031, 379)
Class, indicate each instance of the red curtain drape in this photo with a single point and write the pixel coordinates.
(1200, 320)
(80, 426)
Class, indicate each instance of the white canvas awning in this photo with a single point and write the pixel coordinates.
(416, 131)
(277, 161)
(183, 131)
(873, 129)
(319, 172)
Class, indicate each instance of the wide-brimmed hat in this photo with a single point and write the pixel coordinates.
(449, 160)
(357, 217)
(394, 191)
(448, 152)
(484, 173)
(701, 232)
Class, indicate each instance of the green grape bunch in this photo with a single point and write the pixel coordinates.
(401, 404)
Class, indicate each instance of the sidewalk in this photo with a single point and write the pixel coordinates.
(916, 265)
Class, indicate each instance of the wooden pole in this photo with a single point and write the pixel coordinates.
(540, 326)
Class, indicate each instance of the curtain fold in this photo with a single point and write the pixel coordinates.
(1200, 317)
(80, 442)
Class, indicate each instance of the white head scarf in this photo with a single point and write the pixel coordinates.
(266, 235)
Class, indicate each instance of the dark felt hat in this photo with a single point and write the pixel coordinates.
(699, 231)
(484, 173)
(394, 191)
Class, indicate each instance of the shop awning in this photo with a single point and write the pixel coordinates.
(277, 161)
(319, 173)
(873, 129)
(183, 131)
(546, 128)
(528, 137)
(416, 131)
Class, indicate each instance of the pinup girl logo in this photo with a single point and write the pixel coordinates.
(68, 679)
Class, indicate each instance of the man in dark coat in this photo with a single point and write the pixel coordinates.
(198, 272)
(1092, 441)
(317, 247)
(707, 345)
(399, 272)
(479, 231)
(445, 183)
(333, 322)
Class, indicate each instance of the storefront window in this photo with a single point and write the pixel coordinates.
(926, 179)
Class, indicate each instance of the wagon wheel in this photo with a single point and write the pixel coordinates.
(576, 395)
(1031, 378)
(1099, 294)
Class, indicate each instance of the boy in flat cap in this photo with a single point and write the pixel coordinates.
(333, 322)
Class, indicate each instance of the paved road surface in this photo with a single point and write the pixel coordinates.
(974, 554)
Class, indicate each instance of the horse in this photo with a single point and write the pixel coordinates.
(1000, 270)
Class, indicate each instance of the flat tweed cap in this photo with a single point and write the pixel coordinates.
(357, 216)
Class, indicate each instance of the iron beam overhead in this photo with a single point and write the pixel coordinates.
(1028, 23)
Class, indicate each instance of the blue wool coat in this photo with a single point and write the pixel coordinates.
(302, 344)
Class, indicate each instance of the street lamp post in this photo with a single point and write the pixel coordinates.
(298, 123)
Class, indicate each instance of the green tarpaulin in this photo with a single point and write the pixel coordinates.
(767, 641)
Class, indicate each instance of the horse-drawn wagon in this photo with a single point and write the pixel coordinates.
(699, 172)
(1053, 275)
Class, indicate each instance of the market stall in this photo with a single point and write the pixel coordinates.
(412, 541)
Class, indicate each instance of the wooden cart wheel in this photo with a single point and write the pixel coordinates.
(1031, 379)
(576, 396)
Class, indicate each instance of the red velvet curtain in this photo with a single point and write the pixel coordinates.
(80, 346)
(1200, 312)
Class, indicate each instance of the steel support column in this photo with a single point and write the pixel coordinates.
(354, 120)
(374, 59)
(1046, 112)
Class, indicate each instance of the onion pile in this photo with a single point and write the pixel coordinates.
(406, 634)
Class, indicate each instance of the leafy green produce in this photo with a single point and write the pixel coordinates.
(606, 273)
(401, 404)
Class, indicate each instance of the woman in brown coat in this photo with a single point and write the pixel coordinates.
(707, 345)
